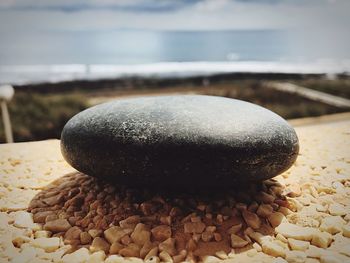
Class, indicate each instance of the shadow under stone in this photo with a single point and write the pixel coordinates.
(83, 211)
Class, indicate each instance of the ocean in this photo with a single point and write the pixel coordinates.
(47, 56)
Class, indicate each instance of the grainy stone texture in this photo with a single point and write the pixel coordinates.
(179, 142)
(309, 221)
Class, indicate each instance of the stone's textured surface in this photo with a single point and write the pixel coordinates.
(178, 141)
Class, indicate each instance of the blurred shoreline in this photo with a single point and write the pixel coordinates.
(132, 84)
(38, 74)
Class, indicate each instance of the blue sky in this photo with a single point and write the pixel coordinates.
(316, 27)
(18, 15)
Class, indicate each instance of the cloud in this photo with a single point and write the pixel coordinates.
(211, 5)
(79, 5)
(319, 26)
(142, 5)
(67, 15)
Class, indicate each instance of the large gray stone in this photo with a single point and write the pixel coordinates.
(179, 142)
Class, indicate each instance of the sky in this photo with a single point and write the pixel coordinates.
(315, 25)
(21, 15)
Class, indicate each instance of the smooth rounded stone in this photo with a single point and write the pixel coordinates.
(179, 142)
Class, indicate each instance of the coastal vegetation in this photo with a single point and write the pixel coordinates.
(40, 111)
(36, 116)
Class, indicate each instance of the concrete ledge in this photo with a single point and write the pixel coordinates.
(338, 117)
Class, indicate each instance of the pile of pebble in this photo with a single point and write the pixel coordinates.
(98, 216)
(80, 219)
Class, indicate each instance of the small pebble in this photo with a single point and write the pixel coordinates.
(332, 224)
(57, 225)
(48, 244)
(295, 256)
(80, 256)
(337, 210)
(298, 244)
(321, 239)
(99, 244)
(237, 241)
(273, 249)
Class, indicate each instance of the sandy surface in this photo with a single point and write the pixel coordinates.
(315, 223)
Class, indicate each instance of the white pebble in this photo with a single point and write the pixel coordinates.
(115, 259)
(298, 244)
(153, 259)
(337, 210)
(295, 256)
(314, 252)
(294, 231)
(320, 208)
(79, 256)
(346, 231)
(281, 238)
(279, 260)
(97, 257)
(18, 241)
(273, 249)
(321, 239)
(221, 254)
(208, 259)
(42, 233)
(48, 244)
(329, 259)
(257, 247)
(25, 220)
(332, 224)
(252, 252)
(312, 260)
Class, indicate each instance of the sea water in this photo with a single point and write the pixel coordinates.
(60, 55)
